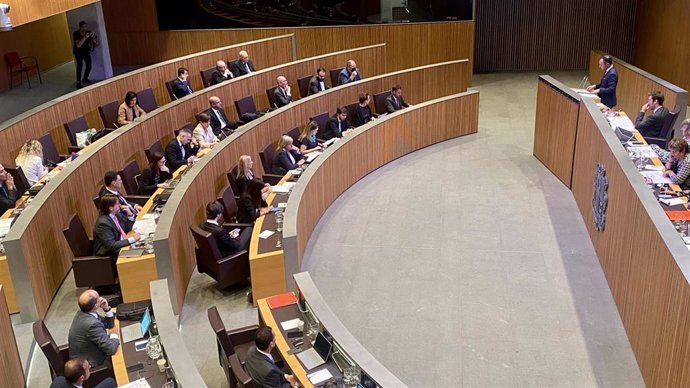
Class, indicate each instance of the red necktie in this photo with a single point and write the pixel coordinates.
(123, 235)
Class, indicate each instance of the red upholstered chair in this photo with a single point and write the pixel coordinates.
(21, 65)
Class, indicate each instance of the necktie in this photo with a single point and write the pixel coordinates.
(246, 64)
(397, 103)
(123, 235)
(182, 150)
(189, 89)
(340, 128)
(124, 202)
(223, 124)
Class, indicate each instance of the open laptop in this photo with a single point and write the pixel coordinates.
(623, 134)
(316, 355)
(135, 332)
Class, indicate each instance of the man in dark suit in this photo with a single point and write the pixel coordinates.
(219, 121)
(181, 86)
(181, 150)
(606, 88)
(77, 371)
(111, 228)
(260, 366)
(395, 101)
(349, 74)
(221, 74)
(337, 125)
(243, 65)
(317, 83)
(8, 192)
(88, 336)
(228, 243)
(282, 95)
(113, 185)
(651, 125)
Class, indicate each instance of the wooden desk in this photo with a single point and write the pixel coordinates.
(126, 356)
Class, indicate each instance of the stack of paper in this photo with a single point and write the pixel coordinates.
(5, 224)
(266, 234)
(295, 172)
(320, 376)
(145, 226)
(656, 176)
(141, 383)
(312, 156)
(291, 324)
(280, 189)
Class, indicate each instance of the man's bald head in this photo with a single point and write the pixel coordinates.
(221, 65)
(244, 56)
(88, 300)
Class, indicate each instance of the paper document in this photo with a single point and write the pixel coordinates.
(291, 324)
(282, 189)
(646, 150)
(656, 176)
(266, 234)
(148, 216)
(651, 167)
(673, 201)
(320, 376)
(623, 122)
(145, 227)
(312, 156)
(141, 383)
(295, 172)
(282, 205)
(289, 184)
(5, 224)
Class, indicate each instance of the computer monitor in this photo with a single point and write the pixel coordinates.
(323, 346)
(145, 321)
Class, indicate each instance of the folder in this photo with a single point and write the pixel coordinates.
(281, 300)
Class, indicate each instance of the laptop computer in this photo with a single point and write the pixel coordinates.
(316, 355)
(623, 134)
(135, 332)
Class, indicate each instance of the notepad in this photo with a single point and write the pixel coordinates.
(295, 172)
(673, 201)
(282, 205)
(131, 252)
(5, 224)
(266, 234)
(145, 226)
(291, 324)
(281, 189)
(319, 376)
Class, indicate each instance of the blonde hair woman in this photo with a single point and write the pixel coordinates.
(307, 139)
(245, 175)
(30, 159)
(288, 157)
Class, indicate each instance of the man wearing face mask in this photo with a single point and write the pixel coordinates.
(317, 83)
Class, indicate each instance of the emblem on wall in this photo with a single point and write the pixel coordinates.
(600, 198)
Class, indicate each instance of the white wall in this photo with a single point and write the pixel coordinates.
(92, 14)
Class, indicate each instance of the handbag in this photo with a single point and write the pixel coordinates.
(133, 311)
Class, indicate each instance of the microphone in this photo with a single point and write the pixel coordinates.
(583, 83)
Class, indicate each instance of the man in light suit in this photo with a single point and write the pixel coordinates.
(606, 88)
(260, 366)
(395, 101)
(243, 65)
(88, 335)
(651, 125)
(228, 244)
(8, 192)
(317, 83)
(181, 86)
(77, 371)
(349, 74)
(111, 228)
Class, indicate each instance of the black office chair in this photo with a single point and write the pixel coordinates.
(270, 93)
(20, 181)
(321, 119)
(380, 102)
(75, 126)
(108, 113)
(50, 152)
(169, 87)
(303, 85)
(146, 100)
(207, 76)
(335, 74)
(245, 105)
(666, 132)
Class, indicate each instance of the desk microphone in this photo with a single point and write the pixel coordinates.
(584, 83)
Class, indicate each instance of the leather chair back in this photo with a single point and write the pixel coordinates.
(152, 149)
(108, 113)
(351, 111)
(188, 126)
(270, 93)
(303, 85)
(75, 126)
(238, 372)
(335, 73)
(146, 100)
(667, 128)
(321, 119)
(50, 349)
(380, 102)
(232, 175)
(245, 105)
(20, 182)
(294, 134)
(50, 152)
(207, 76)
(226, 197)
(225, 348)
(169, 88)
(128, 174)
(77, 239)
(267, 156)
(207, 252)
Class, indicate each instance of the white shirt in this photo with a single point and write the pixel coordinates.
(223, 124)
(266, 354)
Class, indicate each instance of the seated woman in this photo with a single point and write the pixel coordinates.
(245, 174)
(154, 176)
(129, 110)
(111, 228)
(228, 244)
(203, 133)
(250, 206)
(30, 159)
(685, 128)
(363, 113)
(307, 139)
(676, 162)
(288, 157)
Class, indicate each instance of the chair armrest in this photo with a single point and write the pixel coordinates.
(243, 334)
(234, 256)
(98, 374)
(64, 351)
(238, 371)
(233, 225)
(272, 179)
(138, 199)
(661, 142)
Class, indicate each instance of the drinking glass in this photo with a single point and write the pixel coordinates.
(153, 348)
(149, 243)
(313, 331)
(279, 221)
(351, 376)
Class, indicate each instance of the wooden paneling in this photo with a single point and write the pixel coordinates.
(50, 116)
(11, 372)
(48, 40)
(634, 84)
(662, 40)
(555, 127)
(409, 45)
(27, 11)
(644, 259)
(8, 285)
(526, 35)
(43, 266)
(201, 185)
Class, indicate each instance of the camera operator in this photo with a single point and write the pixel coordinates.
(84, 43)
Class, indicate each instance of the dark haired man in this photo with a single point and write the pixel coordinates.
(317, 83)
(260, 366)
(179, 152)
(112, 182)
(8, 191)
(181, 86)
(651, 125)
(395, 101)
(88, 334)
(337, 125)
(228, 243)
(606, 88)
(83, 40)
(111, 228)
(77, 371)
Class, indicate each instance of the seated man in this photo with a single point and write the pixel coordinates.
(317, 83)
(179, 152)
(222, 73)
(113, 185)
(88, 336)
(260, 365)
(243, 65)
(651, 126)
(282, 95)
(77, 371)
(395, 101)
(8, 192)
(111, 228)
(676, 162)
(219, 121)
(337, 126)
(181, 86)
(349, 74)
(228, 243)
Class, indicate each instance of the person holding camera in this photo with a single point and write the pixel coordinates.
(349, 74)
(84, 42)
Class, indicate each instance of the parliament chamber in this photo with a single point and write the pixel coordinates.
(469, 239)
